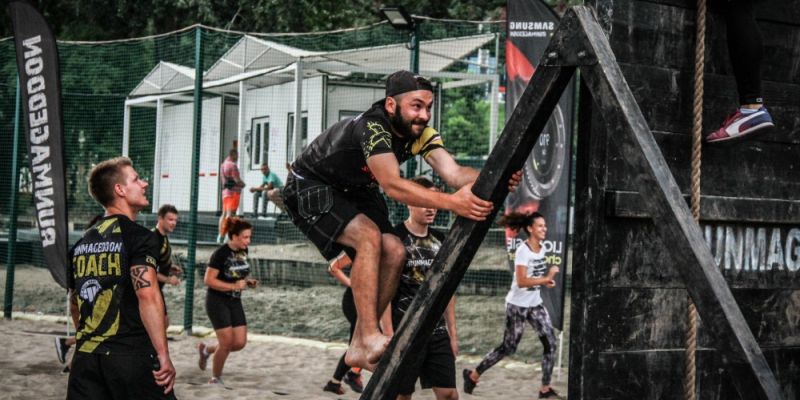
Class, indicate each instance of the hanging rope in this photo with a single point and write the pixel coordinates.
(689, 385)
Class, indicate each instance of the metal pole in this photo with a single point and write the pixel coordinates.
(12, 224)
(156, 180)
(495, 93)
(240, 137)
(298, 110)
(126, 130)
(188, 303)
(560, 351)
(415, 48)
(411, 165)
(493, 110)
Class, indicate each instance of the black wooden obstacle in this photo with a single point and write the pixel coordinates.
(580, 43)
(628, 297)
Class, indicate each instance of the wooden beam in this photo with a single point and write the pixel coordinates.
(721, 316)
(625, 204)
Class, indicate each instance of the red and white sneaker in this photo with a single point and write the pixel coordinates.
(738, 125)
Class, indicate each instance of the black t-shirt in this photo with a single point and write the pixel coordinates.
(339, 155)
(420, 252)
(99, 273)
(232, 266)
(164, 256)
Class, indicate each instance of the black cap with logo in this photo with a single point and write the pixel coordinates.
(404, 81)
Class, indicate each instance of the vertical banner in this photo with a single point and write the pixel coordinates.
(40, 86)
(546, 174)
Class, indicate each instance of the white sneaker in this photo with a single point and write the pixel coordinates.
(218, 382)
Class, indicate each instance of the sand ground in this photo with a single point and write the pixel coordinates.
(270, 367)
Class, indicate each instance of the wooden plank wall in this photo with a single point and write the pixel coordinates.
(628, 306)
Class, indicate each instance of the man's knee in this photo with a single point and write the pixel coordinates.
(446, 394)
(364, 234)
(393, 250)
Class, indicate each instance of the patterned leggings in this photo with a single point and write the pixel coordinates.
(515, 323)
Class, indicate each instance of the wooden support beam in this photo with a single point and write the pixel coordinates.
(740, 210)
(580, 42)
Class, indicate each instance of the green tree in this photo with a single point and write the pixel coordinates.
(107, 20)
(465, 126)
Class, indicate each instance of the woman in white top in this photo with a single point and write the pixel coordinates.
(524, 303)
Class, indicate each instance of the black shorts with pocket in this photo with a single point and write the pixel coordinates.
(435, 367)
(114, 376)
(224, 311)
(322, 212)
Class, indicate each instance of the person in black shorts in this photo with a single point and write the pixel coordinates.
(332, 196)
(226, 277)
(121, 349)
(436, 364)
(167, 271)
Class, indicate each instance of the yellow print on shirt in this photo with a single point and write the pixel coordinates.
(378, 135)
(97, 265)
(425, 143)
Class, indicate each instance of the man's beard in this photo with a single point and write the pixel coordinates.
(405, 129)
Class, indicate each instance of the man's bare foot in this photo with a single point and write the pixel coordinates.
(365, 352)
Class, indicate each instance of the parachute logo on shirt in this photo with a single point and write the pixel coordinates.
(89, 290)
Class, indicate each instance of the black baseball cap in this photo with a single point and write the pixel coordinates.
(405, 81)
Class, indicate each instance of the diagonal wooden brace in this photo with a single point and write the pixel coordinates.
(705, 284)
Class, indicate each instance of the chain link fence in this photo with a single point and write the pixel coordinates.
(135, 97)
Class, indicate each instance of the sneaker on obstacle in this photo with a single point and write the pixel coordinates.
(739, 125)
(61, 349)
(353, 380)
(469, 384)
(333, 388)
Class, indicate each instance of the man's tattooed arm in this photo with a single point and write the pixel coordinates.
(138, 277)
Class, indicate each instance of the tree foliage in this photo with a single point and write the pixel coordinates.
(120, 19)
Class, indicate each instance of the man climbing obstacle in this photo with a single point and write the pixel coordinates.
(332, 196)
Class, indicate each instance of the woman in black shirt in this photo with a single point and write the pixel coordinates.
(226, 277)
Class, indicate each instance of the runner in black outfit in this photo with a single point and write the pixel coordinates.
(167, 271)
(332, 195)
(436, 365)
(226, 277)
(121, 345)
(343, 372)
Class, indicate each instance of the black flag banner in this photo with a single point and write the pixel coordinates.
(545, 182)
(40, 86)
